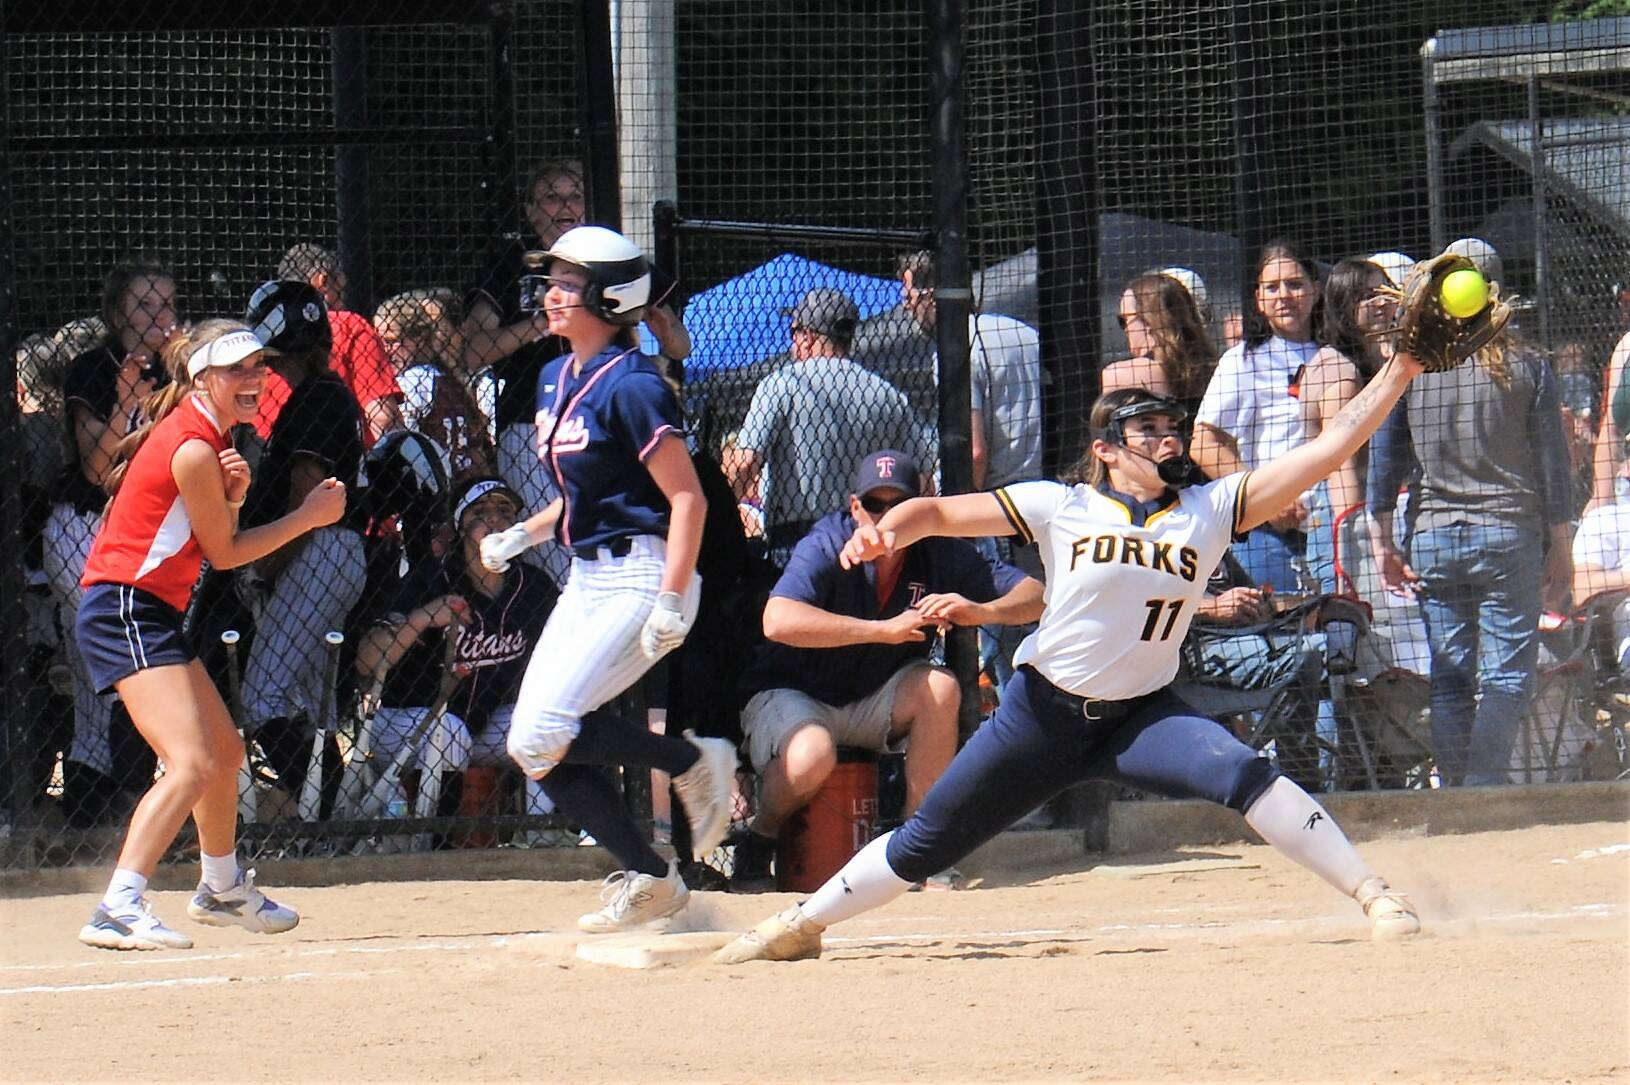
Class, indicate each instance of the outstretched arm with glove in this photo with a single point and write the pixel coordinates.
(1426, 338)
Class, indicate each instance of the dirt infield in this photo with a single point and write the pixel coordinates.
(1221, 965)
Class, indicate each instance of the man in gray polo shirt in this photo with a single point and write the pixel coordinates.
(1004, 363)
(808, 421)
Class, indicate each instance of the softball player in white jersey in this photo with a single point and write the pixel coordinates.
(631, 511)
(1127, 557)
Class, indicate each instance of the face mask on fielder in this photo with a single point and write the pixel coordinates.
(1174, 471)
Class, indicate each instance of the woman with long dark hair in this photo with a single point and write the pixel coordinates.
(1251, 414)
(103, 389)
(1355, 314)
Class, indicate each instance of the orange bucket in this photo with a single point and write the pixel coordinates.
(479, 798)
(839, 821)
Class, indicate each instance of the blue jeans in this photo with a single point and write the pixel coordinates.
(1321, 544)
(1480, 597)
(1267, 557)
(997, 643)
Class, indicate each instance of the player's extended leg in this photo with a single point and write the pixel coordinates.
(1028, 752)
(1169, 748)
(587, 654)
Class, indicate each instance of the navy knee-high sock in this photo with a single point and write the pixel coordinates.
(608, 739)
(585, 795)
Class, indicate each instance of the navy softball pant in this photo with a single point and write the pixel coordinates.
(1039, 742)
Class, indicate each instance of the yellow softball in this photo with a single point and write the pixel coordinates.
(1464, 292)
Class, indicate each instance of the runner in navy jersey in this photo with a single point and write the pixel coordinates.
(631, 510)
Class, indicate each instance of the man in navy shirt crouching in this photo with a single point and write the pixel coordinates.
(846, 658)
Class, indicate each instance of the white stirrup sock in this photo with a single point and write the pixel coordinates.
(220, 871)
(865, 882)
(1288, 818)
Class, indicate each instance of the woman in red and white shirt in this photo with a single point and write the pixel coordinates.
(175, 499)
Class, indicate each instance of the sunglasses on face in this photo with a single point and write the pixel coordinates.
(877, 506)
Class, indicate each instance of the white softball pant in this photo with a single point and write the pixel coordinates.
(590, 649)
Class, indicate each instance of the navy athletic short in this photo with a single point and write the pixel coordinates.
(122, 630)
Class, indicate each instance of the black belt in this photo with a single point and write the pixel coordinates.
(617, 548)
(1089, 708)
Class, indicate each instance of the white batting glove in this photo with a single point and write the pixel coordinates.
(498, 549)
(665, 629)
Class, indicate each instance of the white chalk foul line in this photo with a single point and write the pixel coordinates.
(1577, 911)
(183, 981)
(148, 959)
(479, 942)
(1595, 853)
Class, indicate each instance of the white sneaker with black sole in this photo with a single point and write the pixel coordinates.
(133, 927)
(704, 789)
(634, 899)
(242, 906)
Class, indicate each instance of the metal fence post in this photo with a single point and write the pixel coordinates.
(16, 738)
(953, 301)
(350, 67)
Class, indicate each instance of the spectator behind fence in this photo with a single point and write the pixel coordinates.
(1601, 565)
(355, 354)
(40, 427)
(1172, 353)
(1238, 644)
(1609, 451)
(318, 432)
(1250, 414)
(846, 658)
(1004, 382)
(811, 418)
(420, 337)
(497, 617)
(102, 391)
(506, 333)
(1353, 351)
(1004, 357)
(1490, 544)
(138, 580)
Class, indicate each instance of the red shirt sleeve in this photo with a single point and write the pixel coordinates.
(359, 358)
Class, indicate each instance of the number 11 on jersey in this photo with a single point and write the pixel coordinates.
(1171, 607)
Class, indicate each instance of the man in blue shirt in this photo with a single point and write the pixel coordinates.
(846, 663)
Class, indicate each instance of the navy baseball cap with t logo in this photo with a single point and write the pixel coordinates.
(887, 469)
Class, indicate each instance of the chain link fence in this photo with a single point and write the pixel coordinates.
(815, 189)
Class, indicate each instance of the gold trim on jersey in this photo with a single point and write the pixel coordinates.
(1127, 512)
(1163, 510)
(1239, 507)
(1011, 511)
